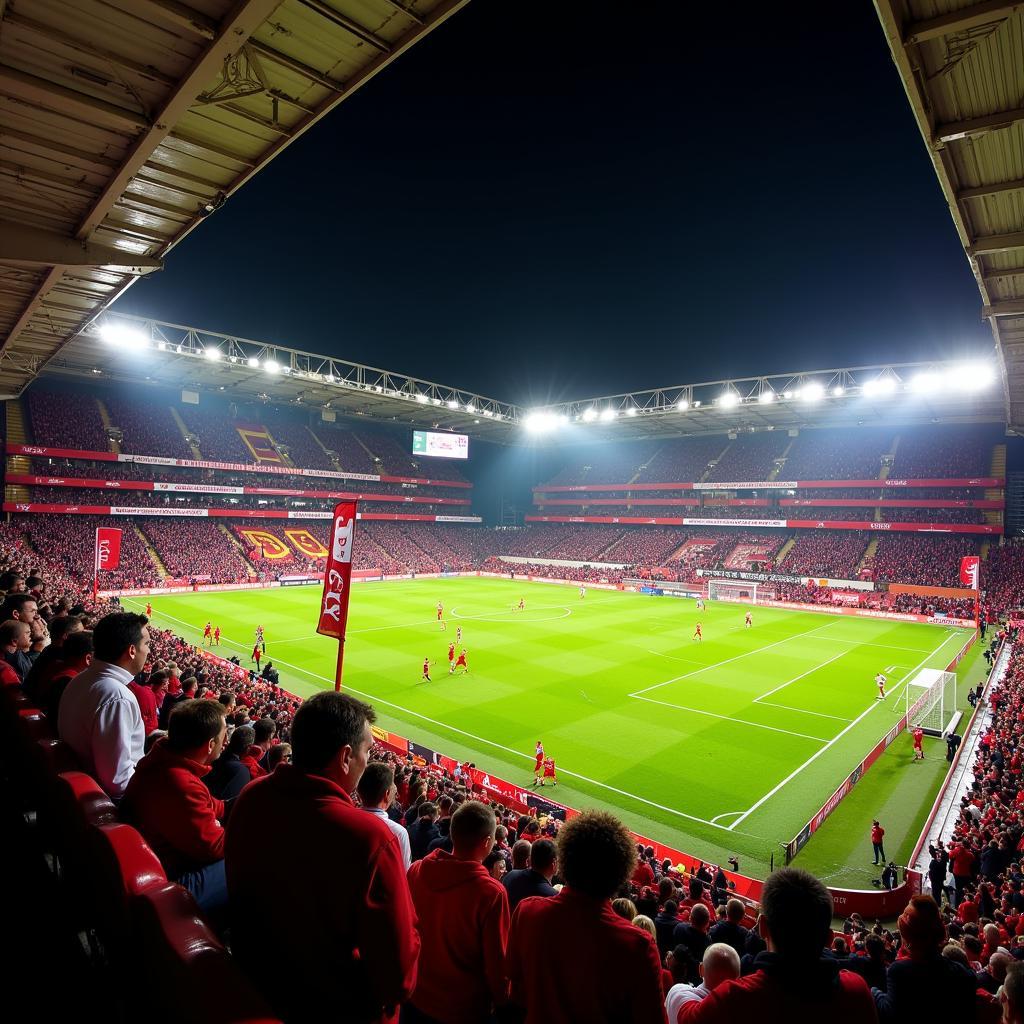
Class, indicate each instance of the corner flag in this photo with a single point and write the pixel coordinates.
(338, 579)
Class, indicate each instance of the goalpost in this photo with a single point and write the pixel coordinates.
(740, 591)
(930, 700)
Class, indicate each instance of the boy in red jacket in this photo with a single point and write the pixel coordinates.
(463, 921)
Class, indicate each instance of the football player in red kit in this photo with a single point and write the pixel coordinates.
(549, 772)
(207, 634)
(216, 636)
(426, 669)
(918, 735)
(460, 661)
(697, 635)
(538, 762)
(149, 610)
(451, 658)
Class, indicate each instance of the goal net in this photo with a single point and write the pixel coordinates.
(741, 591)
(930, 700)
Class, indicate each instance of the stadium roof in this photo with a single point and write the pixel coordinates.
(124, 123)
(141, 352)
(962, 66)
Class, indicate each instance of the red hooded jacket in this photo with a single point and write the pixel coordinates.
(572, 959)
(340, 930)
(463, 920)
(168, 802)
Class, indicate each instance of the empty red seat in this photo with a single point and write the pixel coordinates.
(122, 867)
(189, 966)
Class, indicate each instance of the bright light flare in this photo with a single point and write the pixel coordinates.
(124, 336)
(589, 415)
(766, 397)
(212, 353)
(812, 392)
(879, 386)
(728, 399)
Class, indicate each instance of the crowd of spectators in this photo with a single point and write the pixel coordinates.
(829, 455)
(834, 554)
(920, 558)
(749, 457)
(195, 549)
(66, 420)
(147, 428)
(943, 453)
(645, 545)
(1003, 576)
(218, 437)
(681, 459)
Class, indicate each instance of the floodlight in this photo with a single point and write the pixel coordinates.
(812, 391)
(838, 391)
(421, 398)
(608, 414)
(766, 397)
(487, 412)
(162, 346)
(124, 336)
(975, 376)
(682, 405)
(631, 411)
(563, 420)
(470, 407)
(254, 363)
(926, 383)
(452, 404)
(787, 394)
(212, 353)
(589, 414)
(728, 399)
(879, 386)
(272, 366)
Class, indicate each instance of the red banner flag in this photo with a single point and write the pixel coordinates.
(970, 569)
(108, 548)
(338, 578)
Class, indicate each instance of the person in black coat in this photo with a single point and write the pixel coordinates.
(925, 986)
(693, 935)
(534, 880)
(731, 930)
(665, 926)
(228, 776)
(423, 831)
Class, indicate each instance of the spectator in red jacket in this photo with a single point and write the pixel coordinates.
(791, 981)
(15, 637)
(351, 943)
(147, 702)
(877, 835)
(463, 920)
(570, 957)
(167, 801)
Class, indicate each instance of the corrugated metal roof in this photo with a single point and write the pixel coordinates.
(962, 66)
(124, 123)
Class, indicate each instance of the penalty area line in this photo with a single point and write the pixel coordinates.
(814, 757)
(490, 743)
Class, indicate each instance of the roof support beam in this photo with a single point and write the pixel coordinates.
(21, 244)
(996, 243)
(236, 28)
(284, 61)
(954, 131)
(342, 21)
(961, 20)
(1004, 307)
(978, 191)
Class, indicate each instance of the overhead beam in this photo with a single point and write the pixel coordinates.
(996, 243)
(1004, 307)
(231, 34)
(954, 131)
(348, 24)
(962, 20)
(21, 244)
(978, 191)
(300, 68)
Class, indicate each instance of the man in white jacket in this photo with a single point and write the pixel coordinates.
(99, 717)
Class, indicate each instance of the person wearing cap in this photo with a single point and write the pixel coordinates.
(923, 984)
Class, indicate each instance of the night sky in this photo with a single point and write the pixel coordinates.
(548, 200)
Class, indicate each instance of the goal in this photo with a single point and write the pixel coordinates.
(930, 700)
(741, 591)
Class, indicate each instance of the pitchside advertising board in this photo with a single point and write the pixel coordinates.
(440, 446)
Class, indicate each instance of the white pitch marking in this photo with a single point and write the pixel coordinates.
(782, 686)
(803, 711)
(729, 718)
(473, 736)
(814, 757)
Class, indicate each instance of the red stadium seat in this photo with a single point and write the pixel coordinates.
(122, 867)
(189, 966)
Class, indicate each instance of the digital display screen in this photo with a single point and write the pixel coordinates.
(440, 446)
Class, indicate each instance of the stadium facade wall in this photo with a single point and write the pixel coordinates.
(774, 485)
(34, 480)
(772, 524)
(220, 513)
(236, 467)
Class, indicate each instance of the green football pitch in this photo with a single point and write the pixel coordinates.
(720, 747)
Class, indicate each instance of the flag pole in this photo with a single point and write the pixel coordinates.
(96, 566)
(337, 670)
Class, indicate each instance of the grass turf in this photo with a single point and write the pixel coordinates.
(720, 747)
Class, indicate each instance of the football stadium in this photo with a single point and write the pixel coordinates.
(649, 651)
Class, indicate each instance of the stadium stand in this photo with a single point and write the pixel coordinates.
(194, 549)
(219, 440)
(828, 455)
(920, 559)
(147, 428)
(67, 420)
(750, 457)
(834, 555)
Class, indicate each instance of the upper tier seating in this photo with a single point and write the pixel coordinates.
(66, 420)
(147, 428)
